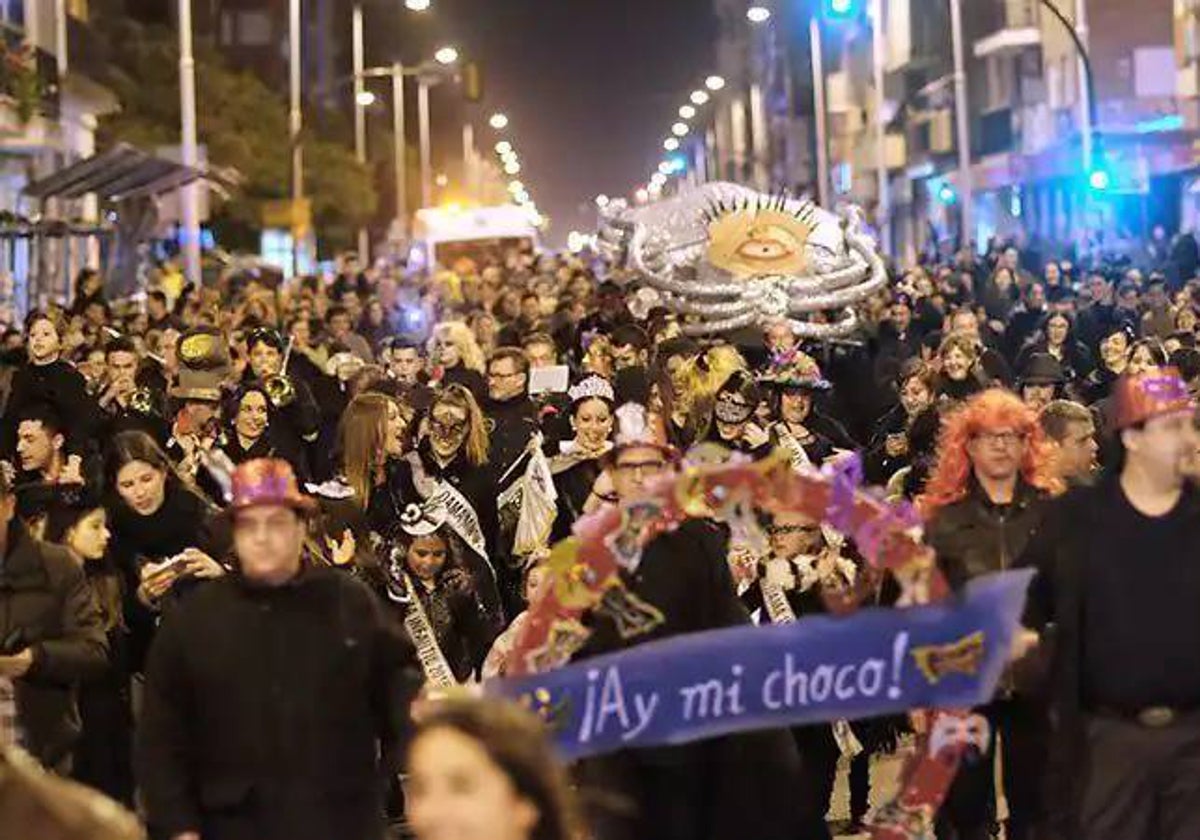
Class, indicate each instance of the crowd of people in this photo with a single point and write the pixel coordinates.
(246, 525)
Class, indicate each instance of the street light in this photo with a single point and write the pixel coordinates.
(516, 186)
(641, 195)
(679, 129)
(417, 5)
(364, 98)
(699, 97)
(687, 111)
(446, 55)
(714, 83)
(498, 122)
(512, 168)
(671, 144)
(503, 147)
(602, 200)
(758, 14)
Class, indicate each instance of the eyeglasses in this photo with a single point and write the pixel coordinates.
(640, 467)
(496, 374)
(1005, 438)
(778, 530)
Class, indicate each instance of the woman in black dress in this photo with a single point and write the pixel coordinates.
(578, 463)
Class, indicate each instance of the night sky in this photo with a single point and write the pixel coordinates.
(591, 88)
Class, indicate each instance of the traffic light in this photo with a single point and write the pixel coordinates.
(840, 9)
(472, 82)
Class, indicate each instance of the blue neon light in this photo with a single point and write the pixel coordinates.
(1168, 122)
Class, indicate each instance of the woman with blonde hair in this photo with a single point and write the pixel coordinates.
(457, 358)
(372, 432)
(449, 466)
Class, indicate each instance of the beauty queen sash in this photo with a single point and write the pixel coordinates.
(460, 514)
(416, 622)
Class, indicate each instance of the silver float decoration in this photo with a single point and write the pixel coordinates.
(729, 256)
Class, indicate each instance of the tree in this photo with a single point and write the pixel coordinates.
(243, 125)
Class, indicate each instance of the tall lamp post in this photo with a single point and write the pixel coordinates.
(1087, 93)
(360, 102)
(294, 126)
(189, 195)
(963, 139)
(427, 74)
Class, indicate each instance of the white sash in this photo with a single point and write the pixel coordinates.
(416, 622)
(460, 515)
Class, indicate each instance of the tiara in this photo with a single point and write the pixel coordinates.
(592, 386)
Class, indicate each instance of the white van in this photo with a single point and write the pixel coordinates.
(443, 235)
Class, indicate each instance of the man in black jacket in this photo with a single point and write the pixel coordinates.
(51, 635)
(276, 698)
(1119, 588)
(984, 528)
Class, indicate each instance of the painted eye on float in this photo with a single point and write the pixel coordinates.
(767, 245)
(758, 241)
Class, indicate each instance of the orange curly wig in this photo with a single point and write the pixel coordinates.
(991, 409)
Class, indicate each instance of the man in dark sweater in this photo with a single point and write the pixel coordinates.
(1119, 589)
(276, 698)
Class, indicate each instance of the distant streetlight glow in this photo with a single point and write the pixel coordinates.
(758, 14)
(504, 148)
(602, 200)
(679, 129)
(446, 55)
(671, 144)
(365, 98)
(512, 168)
(498, 122)
(699, 97)
(641, 195)
(416, 5)
(664, 168)
(714, 83)
(687, 111)
(516, 187)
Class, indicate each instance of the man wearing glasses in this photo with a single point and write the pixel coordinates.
(983, 501)
(685, 576)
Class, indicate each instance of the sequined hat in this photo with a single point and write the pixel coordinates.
(1151, 394)
(267, 481)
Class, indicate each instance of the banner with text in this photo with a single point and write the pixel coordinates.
(819, 669)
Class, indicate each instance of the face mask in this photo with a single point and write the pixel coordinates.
(447, 437)
(730, 409)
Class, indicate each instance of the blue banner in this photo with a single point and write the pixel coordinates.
(874, 662)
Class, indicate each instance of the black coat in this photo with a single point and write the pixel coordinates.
(738, 785)
(183, 521)
(47, 605)
(973, 537)
(511, 423)
(275, 713)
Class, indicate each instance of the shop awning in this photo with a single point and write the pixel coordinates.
(118, 173)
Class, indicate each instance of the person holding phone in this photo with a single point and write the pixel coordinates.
(165, 537)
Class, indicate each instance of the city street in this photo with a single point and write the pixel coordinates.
(593, 419)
